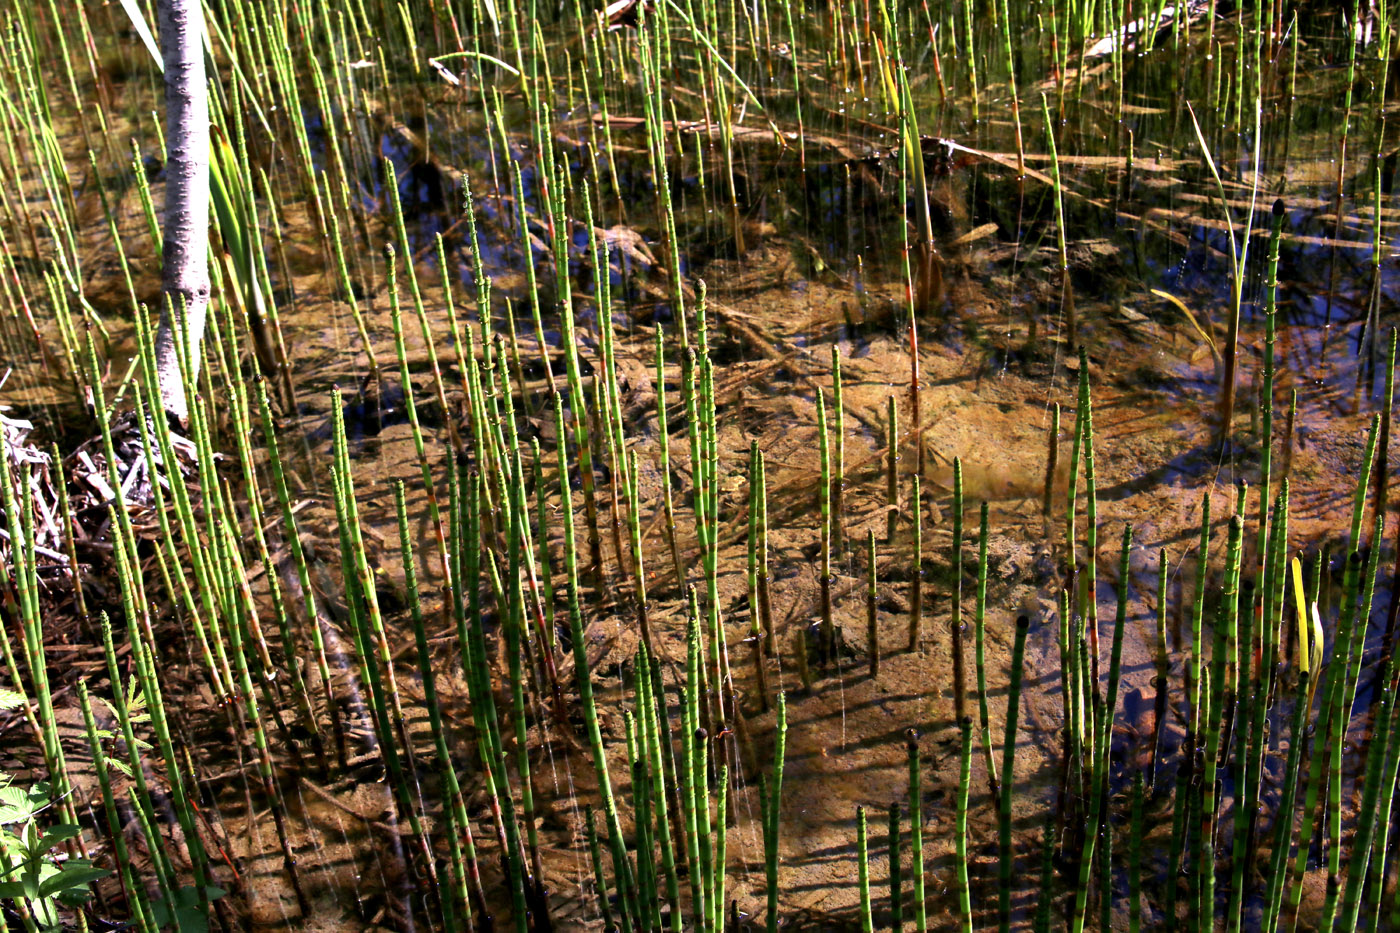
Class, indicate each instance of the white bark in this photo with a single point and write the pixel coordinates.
(185, 271)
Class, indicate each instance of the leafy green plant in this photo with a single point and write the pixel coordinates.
(185, 914)
(33, 871)
(136, 709)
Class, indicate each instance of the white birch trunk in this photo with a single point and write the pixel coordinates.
(185, 269)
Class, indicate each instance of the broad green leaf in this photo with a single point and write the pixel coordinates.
(16, 804)
(185, 917)
(57, 834)
(74, 879)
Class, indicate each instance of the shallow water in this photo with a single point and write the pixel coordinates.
(811, 254)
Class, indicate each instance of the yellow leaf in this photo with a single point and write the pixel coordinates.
(1300, 605)
(1181, 306)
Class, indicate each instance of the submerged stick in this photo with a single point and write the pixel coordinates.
(828, 649)
(871, 627)
(892, 472)
(916, 572)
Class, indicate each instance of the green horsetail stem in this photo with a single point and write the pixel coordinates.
(145, 676)
(577, 399)
(429, 487)
(1069, 680)
(960, 824)
(1343, 701)
(1240, 717)
(721, 688)
(135, 895)
(622, 866)
(772, 814)
(600, 882)
(1067, 311)
(1072, 487)
(971, 55)
(650, 802)
(70, 542)
(981, 615)
(634, 526)
(1097, 822)
(838, 480)
(647, 900)
(606, 406)
(26, 586)
(249, 700)
(1193, 668)
(166, 882)
(799, 651)
(1336, 695)
(955, 623)
(160, 858)
(1090, 578)
(300, 564)
(397, 216)
(1375, 882)
(466, 876)
(1104, 859)
(1216, 714)
(375, 657)
(663, 442)
(867, 923)
(672, 806)
(693, 695)
(700, 750)
(1261, 691)
(1379, 780)
(166, 558)
(548, 640)
(471, 641)
(517, 643)
(1266, 390)
(24, 554)
(1008, 769)
(651, 713)
(1297, 743)
(721, 846)
(916, 831)
(211, 648)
